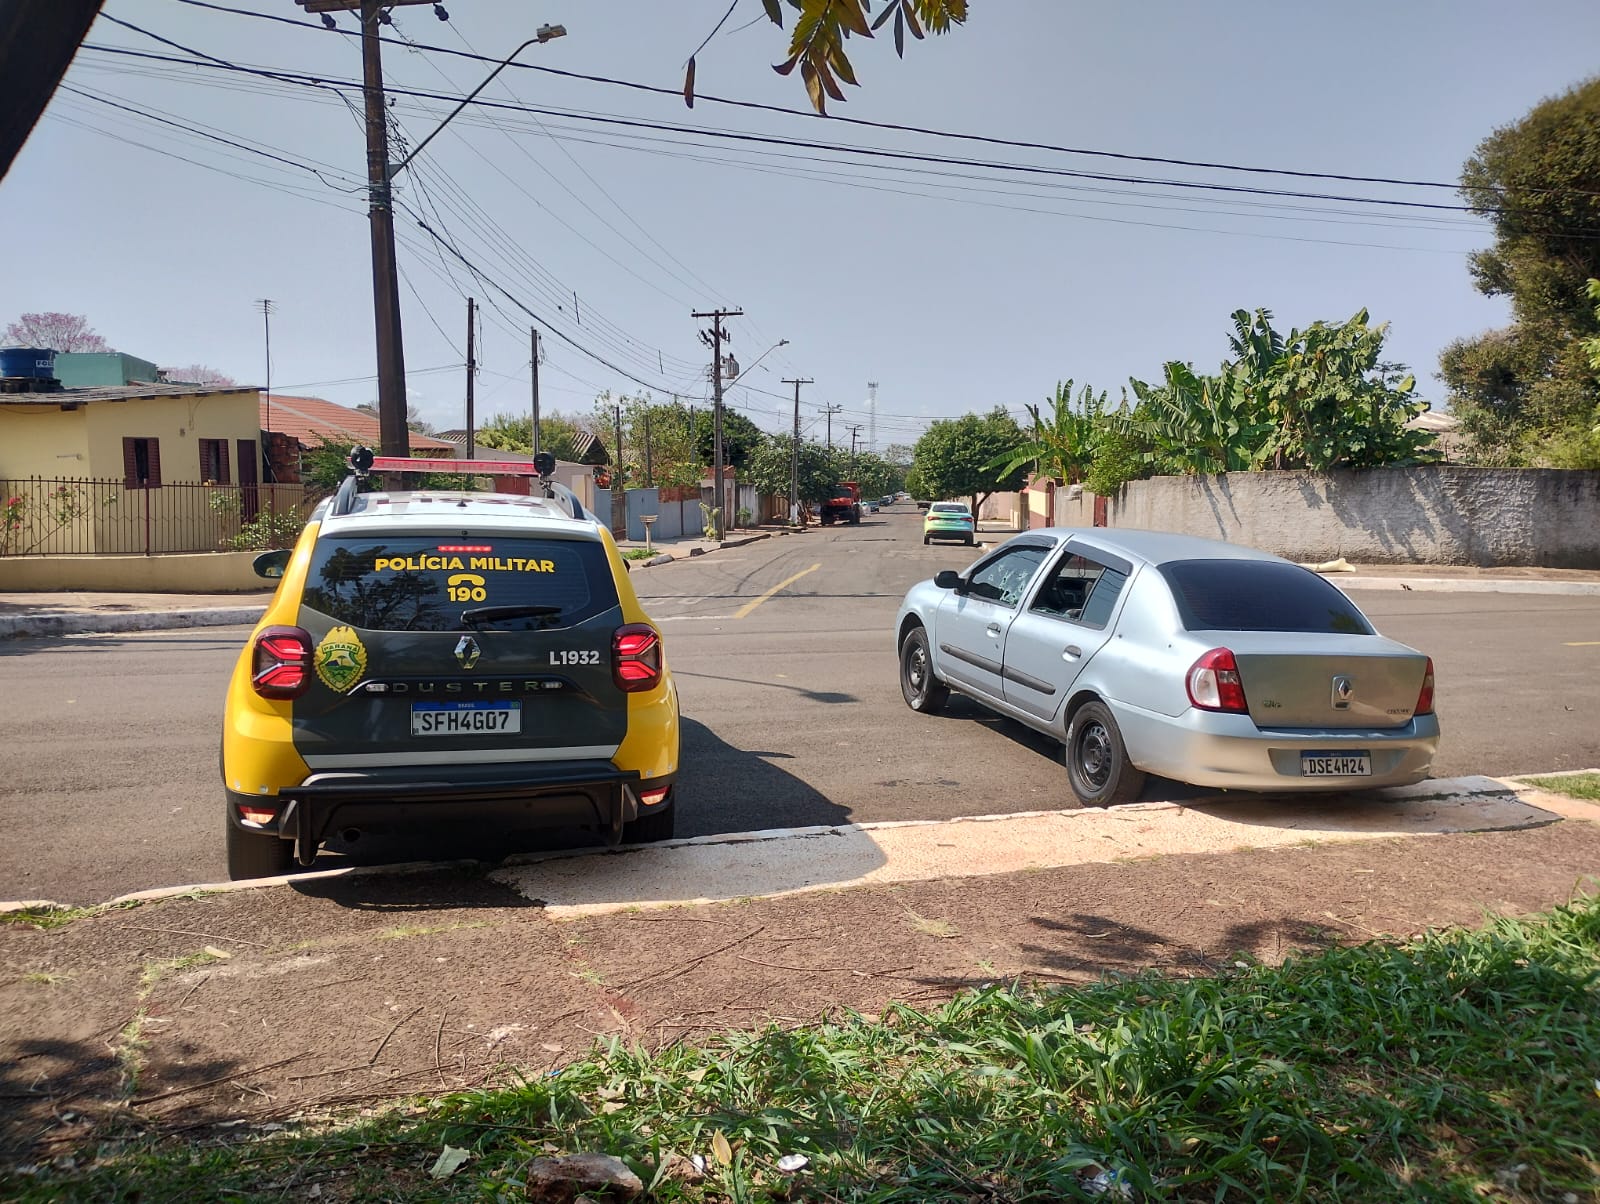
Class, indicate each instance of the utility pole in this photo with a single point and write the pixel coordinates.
(265, 306)
(472, 370)
(830, 411)
(855, 429)
(392, 433)
(714, 341)
(649, 453)
(533, 338)
(794, 458)
(394, 437)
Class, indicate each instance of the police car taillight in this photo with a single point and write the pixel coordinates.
(282, 662)
(636, 657)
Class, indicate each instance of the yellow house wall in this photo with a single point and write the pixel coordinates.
(180, 423)
(201, 573)
(42, 441)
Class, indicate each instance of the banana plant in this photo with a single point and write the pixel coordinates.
(1062, 446)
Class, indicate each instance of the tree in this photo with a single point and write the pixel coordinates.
(58, 332)
(956, 457)
(821, 29)
(199, 374)
(563, 436)
(1063, 447)
(1319, 398)
(1538, 182)
(819, 468)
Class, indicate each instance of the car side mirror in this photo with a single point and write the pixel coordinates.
(271, 565)
(948, 579)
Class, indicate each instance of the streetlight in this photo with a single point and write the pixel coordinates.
(757, 360)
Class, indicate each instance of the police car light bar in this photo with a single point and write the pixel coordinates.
(497, 468)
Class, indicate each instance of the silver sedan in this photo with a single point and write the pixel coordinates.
(1152, 653)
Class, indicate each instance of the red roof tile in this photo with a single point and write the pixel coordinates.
(311, 420)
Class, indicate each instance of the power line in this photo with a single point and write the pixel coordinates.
(985, 139)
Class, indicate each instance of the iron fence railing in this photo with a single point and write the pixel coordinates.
(65, 516)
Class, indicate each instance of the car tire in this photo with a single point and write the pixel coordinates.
(925, 539)
(653, 825)
(1098, 769)
(922, 690)
(257, 854)
(969, 541)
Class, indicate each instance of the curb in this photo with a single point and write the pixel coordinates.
(96, 622)
(1467, 585)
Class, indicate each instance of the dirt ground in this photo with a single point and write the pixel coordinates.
(260, 1007)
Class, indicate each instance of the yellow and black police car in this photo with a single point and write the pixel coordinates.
(475, 658)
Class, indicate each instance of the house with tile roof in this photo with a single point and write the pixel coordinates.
(292, 426)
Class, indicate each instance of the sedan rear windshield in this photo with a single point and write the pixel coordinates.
(434, 583)
(941, 508)
(1258, 595)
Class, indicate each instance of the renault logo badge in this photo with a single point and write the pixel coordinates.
(1343, 690)
(467, 652)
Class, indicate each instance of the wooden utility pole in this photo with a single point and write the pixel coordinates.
(392, 432)
(714, 340)
(794, 456)
(649, 453)
(472, 370)
(830, 411)
(533, 339)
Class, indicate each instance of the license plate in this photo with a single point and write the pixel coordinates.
(465, 718)
(1335, 765)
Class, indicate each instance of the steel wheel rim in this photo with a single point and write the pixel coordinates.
(917, 670)
(1095, 754)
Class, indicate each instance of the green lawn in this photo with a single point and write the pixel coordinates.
(1461, 1066)
(1578, 785)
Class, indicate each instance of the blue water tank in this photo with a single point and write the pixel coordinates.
(38, 363)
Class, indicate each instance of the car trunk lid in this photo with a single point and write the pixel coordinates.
(1295, 681)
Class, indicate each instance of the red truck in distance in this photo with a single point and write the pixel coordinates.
(844, 505)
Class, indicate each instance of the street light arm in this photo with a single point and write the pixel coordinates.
(545, 34)
(757, 360)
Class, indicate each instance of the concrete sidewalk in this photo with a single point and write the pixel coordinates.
(77, 612)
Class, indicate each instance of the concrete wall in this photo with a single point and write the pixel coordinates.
(1433, 514)
(201, 573)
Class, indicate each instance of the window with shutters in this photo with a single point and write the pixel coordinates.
(141, 463)
(214, 461)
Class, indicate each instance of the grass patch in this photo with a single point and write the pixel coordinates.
(130, 1046)
(1459, 1066)
(403, 931)
(1578, 785)
(44, 978)
(639, 553)
(155, 971)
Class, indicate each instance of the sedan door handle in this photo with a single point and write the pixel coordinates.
(1072, 652)
(993, 629)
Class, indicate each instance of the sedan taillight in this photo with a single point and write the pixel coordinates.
(636, 657)
(1213, 683)
(282, 665)
(1425, 695)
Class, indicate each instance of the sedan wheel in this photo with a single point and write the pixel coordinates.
(1098, 769)
(922, 690)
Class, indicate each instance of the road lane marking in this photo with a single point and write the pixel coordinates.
(785, 584)
(1583, 644)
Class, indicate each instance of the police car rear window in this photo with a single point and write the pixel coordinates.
(429, 583)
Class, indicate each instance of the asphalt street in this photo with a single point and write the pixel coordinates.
(783, 654)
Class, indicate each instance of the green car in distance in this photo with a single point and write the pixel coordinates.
(948, 520)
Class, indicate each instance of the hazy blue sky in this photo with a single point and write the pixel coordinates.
(955, 288)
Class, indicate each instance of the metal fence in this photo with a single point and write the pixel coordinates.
(63, 516)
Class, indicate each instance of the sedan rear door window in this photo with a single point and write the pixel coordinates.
(1258, 595)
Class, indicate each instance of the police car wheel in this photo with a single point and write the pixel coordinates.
(653, 825)
(252, 855)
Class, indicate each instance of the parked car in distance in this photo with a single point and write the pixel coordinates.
(478, 660)
(948, 520)
(1151, 653)
(886, 500)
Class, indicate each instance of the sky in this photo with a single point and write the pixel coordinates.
(955, 286)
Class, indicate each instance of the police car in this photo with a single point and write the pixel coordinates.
(475, 658)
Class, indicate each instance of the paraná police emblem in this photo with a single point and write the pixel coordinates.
(341, 659)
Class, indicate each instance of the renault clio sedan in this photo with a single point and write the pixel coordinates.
(1151, 653)
(472, 659)
(948, 520)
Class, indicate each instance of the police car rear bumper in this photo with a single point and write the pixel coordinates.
(593, 794)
